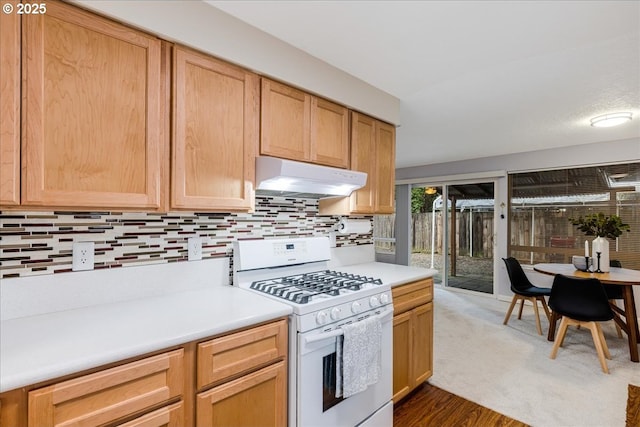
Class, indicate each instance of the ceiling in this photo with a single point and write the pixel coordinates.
(475, 78)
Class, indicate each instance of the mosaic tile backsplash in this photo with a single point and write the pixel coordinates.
(33, 243)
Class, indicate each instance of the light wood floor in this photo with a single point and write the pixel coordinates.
(430, 406)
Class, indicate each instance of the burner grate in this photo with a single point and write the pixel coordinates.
(302, 288)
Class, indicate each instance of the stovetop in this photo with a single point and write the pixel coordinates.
(308, 287)
(296, 272)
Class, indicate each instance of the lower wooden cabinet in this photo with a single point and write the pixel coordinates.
(243, 382)
(168, 416)
(109, 395)
(242, 378)
(412, 336)
(244, 351)
(256, 399)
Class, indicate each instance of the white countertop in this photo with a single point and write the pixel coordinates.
(45, 346)
(391, 274)
(83, 333)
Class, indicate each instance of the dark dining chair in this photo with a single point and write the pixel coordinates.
(582, 303)
(614, 293)
(523, 290)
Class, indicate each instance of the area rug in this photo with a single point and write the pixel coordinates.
(508, 369)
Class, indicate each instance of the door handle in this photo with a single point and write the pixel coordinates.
(338, 331)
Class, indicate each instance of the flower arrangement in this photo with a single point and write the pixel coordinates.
(601, 225)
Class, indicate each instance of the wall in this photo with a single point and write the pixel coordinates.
(34, 243)
(625, 150)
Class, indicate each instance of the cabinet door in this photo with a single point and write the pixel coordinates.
(92, 122)
(285, 122)
(108, 395)
(215, 125)
(10, 107)
(422, 343)
(363, 146)
(402, 352)
(13, 408)
(385, 168)
(257, 399)
(329, 133)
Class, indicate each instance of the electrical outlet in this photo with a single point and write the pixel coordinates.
(82, 256)
(194, 246)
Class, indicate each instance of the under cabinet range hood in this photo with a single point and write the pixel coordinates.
(297, 179)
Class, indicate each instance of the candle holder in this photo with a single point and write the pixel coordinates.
(598, 269)
(586, 263)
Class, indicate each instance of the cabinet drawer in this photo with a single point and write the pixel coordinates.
(411, 295)
(242, 351)
(169, 416)
(108, 395)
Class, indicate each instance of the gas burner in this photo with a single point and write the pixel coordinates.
(302, 288)
(356, 277)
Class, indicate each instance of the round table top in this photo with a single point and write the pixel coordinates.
(618, 276)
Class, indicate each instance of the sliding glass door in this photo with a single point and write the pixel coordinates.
(471, 237)
(453, 232)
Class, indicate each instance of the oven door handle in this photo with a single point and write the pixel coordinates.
(337, 332)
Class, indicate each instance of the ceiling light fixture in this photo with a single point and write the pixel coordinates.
(608, 120)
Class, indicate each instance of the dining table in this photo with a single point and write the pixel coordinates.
(626, 318)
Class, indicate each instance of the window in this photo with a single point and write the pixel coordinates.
(542, 202)
(384, 234)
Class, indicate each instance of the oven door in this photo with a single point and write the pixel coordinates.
(316, 382)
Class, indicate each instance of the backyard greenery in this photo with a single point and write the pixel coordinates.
(421, 202)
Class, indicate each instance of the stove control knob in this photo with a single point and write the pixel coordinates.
(384, 299)
(335, 313)
(321, 317)
(355, 307)
(373, 301)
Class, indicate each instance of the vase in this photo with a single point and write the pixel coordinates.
(600, 244)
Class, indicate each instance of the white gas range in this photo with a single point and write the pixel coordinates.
(295, 271)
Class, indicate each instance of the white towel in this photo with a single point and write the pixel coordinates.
(358, 357)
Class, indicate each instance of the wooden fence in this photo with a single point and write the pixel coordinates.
(474, 232)
(537, 234)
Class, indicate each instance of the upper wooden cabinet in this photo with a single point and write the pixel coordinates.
(215, 133)
(299, 126)
(363, 148)
(10, 108)
(372, 151)
(92, 124)
(385, 169)
(329, 133)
